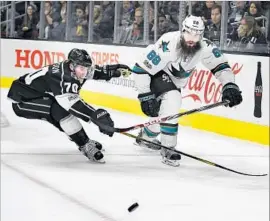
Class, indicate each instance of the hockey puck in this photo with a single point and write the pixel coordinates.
(133, 207)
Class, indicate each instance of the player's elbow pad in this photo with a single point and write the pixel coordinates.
(75, 105)
(82, 110)
(67, 100)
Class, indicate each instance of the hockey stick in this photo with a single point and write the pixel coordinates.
(156, 121)
(193, 157)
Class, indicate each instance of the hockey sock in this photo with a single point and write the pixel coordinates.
(168, 135)
(73, 128)
(148, 134)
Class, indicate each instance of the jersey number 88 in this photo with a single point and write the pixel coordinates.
(152, 56)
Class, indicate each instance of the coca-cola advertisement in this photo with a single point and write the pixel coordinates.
(204, 88)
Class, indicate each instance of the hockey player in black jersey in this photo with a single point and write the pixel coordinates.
(52, 93)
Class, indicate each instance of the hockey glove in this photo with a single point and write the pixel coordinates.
(109, 71)
(103, 120)
(149, 104)
(231, 92)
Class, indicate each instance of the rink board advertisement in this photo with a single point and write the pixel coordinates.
(19, 57)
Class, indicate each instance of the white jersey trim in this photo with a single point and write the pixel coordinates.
(67, 100)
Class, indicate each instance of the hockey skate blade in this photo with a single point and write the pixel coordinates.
(172, 163)
(92, 160)
(97, 161)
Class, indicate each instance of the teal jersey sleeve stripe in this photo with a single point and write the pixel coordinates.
(220, 67)
(137, 69)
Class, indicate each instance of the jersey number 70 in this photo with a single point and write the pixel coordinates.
(73, 86)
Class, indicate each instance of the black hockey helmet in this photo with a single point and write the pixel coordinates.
(80, 57)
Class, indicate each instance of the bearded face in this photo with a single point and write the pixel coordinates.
(190, 44)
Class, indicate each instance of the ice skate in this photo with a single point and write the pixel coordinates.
(170, 157)
(92, 152)
(98, 145)
(145, 144)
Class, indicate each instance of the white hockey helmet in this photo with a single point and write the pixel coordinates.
(193, 25)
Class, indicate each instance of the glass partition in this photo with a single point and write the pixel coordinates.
(241, 26)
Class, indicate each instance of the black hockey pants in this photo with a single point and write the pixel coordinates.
(43, 108)
(32, 104)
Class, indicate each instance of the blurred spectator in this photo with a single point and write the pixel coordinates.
(35, 5)
(63, 11)
(97, 14)
(266, 8)
(20, 7)
(3, 26)
(29, 26)
(3, 14)
(134, 33)
(164, 25)
(151, 22)
(197, 8)
(127, 15)
(7, 26)
(245, 34)
(238, 10)
(151, 16)
(250, 36)
(139, 4)
(173, 7)
(79, 28)
(56, 6)
(75, 4)
(255, 10)
(103, 32)
(174, 12)
(58, 28)
(206, 13)
(48, 11)
(213, 30)
(163, 8)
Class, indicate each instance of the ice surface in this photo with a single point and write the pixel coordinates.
(45, 177)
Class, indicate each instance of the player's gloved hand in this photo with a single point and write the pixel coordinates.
(103, 120)
(149, 104)
(231, 92)
(111, 71)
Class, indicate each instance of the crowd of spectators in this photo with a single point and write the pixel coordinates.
(246, 27)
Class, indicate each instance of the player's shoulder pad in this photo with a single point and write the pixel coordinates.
(60, 71)
(207, 45)
(209, 48)
(211, 55)
(167, 44)
(156, 56)
(56, 69)
(55, 73)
